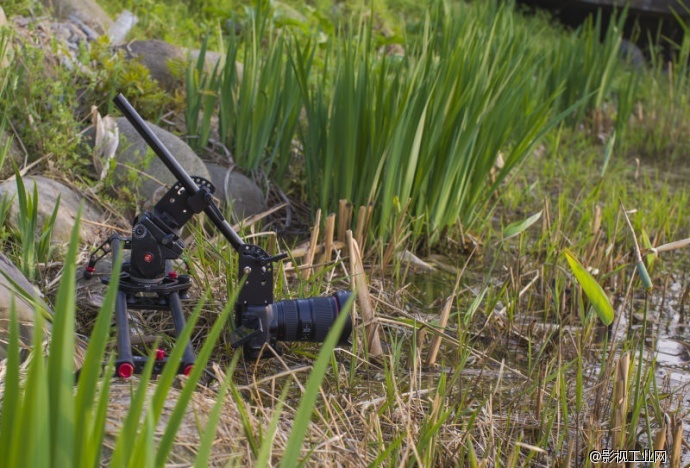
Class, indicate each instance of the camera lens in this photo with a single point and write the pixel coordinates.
(310, 319)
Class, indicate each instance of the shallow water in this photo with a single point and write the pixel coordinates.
(668, 342)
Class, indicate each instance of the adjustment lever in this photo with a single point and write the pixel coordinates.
(275, 258)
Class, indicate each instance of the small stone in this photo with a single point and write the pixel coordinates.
(24, 309)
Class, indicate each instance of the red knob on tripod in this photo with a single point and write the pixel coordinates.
(125, 370)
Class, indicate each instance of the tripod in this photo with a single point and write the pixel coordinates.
(132, 294)
(148, 282)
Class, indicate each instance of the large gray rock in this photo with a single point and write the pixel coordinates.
(23, 308)
(86, 11)
(133, 154)
(48, 192)
(164, 61)
(167, 63)
(245, 197)
(14, 154)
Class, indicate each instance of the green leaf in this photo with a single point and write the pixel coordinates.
(87, 438)
(311, 392)
(591, 288)
(175, 420)
(35, 446)
(61, 360)
(210, 432)
(10, 423)
(644, 276)
(516, 228)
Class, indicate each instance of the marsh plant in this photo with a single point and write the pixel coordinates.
(426, 126)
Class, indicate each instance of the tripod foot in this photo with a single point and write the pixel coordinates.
(125, 370)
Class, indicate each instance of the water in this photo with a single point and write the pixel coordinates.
(667, 343)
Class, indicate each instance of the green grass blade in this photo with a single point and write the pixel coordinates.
(127, 437)
(608, 153)
(311, 392)
(144, 452)
(244, 419)
(591, 288)
(44, 246)
(61, 360)
(92, 450)
(519, 227)
(264, 457)
(202, 359)
(10, 422)
(167, 377)
(35, 447)
(92, 368)
(208, 437)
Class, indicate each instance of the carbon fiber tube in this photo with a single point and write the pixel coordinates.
(177, 171)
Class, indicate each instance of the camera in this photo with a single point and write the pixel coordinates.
(148, 281)
(290, 320)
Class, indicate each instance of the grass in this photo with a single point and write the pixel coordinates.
(34, 249)
(525, 373)
(383, 130)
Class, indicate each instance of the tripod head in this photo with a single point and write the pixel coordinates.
(156, 241)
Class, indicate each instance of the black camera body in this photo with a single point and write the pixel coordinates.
(260, 321)
(148, 281)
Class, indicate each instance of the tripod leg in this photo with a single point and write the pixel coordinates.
(124, 366)
(179, 322)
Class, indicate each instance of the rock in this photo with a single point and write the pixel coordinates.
(4, 58)
(631, 53)
(132, 152)
(164, 61)
(24, 309)
(91, 292)
(241, 192)
(167, 63)
(48, 192)
(86, 11)
(14, 154)
(122, 26)
(211, 59)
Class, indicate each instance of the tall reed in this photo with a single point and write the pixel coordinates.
(426, 127)
(258, 108)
